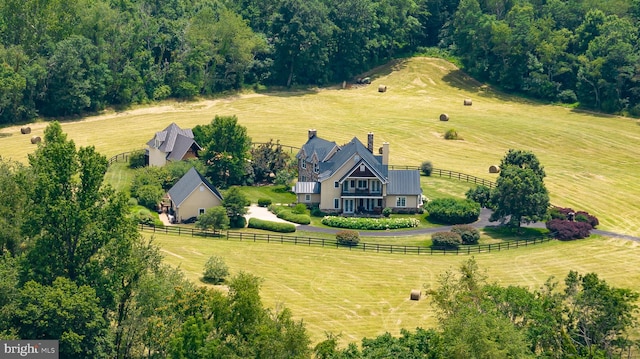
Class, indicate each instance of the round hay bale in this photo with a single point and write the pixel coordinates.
(467, 102)
(444, 117)
(415, 294)
(382, 88)
(25, 130)
(494, 169)
(35, 139)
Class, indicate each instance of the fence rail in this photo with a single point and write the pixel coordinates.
(120, 157)
(449, 174)
(323, 242)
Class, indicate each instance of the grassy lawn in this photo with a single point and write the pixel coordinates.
(590, 159)
(277, 194)
(364, 294)
(119, 176)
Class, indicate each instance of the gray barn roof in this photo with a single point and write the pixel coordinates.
(187, 184)
(306, 188)
(404, 182)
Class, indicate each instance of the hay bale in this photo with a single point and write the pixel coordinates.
(382, 88)
(444, 117)
(494, 169)
(25, 130)
(415, 294)
(467, 102)
(35, 139)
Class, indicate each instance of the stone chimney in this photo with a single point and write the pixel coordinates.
(370, 141)
(312, 133)
(385, 153)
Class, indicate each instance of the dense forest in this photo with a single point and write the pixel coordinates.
(69, 57)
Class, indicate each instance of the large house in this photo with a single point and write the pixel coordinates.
(172, 144)
(351, 179)
(191, 196)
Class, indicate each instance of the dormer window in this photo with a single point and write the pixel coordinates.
(362, 168)
(316, 168)
(304, 164)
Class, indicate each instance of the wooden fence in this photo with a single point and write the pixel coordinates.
(323, 242)
(120, 157)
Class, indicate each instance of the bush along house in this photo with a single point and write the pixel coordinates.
(351, 179)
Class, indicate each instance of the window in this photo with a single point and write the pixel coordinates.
(307, 197)
(201, 188)
(362, 183)
(352, 183)
(200, 211)
(401, 201)
(336, 184)
(362, 168)
(336, 203)
(316, 168)
(304, 163)
(303, 179)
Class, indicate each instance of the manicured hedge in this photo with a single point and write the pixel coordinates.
(264, 202)
(271, 226)
(453, 211)
(286, 214)
(369, 223)
(348, 238)
(445, 240)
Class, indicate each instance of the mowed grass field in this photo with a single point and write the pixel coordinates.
(592, 161)
(364, 294)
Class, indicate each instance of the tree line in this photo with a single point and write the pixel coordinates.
(68, 57)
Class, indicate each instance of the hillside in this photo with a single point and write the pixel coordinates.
(591, 160)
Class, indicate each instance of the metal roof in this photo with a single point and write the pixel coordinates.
(404, 182)
(306, 188)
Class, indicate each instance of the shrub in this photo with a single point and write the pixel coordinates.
(369, 223)
(453, 211)
(386, 211)
(565, 230)
(446, 240)
(348, 238)
(468, 234)
(316, 212)
(451, 134)
(567, 96)
(132, 202)
(582, 216)
(579, 216)
(215, 270)
(480, 194)
(149, 196)
(137, 159)
(426, 167)
(280, 227)
(264, 202)
(237, 222)
(300, 208)
(288, 215)
(161, 92)
(145, 217)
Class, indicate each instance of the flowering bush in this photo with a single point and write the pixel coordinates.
(446, 240)
(348, 238)
(369, 223)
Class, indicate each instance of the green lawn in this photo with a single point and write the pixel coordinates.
(591, 160)
(364, 294)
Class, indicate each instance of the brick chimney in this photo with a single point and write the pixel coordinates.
(370, 141)
(312, 133)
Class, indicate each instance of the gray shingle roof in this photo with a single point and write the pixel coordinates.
(187, 184)
(316, 145)
(349, 150)
(174, 139)
(404, 182)
(306, 188)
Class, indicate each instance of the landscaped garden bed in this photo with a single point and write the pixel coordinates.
(370, 223)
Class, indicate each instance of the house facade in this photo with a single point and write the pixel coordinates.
(191, 196)
(172, 144)
(351, 179)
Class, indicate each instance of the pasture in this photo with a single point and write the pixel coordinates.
(364, 294)
(592, 161)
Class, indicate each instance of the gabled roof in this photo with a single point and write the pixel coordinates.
(174, 139)
(404, 182)
(306, 188)
(321, 147)
(187, 184)
(349, 150)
